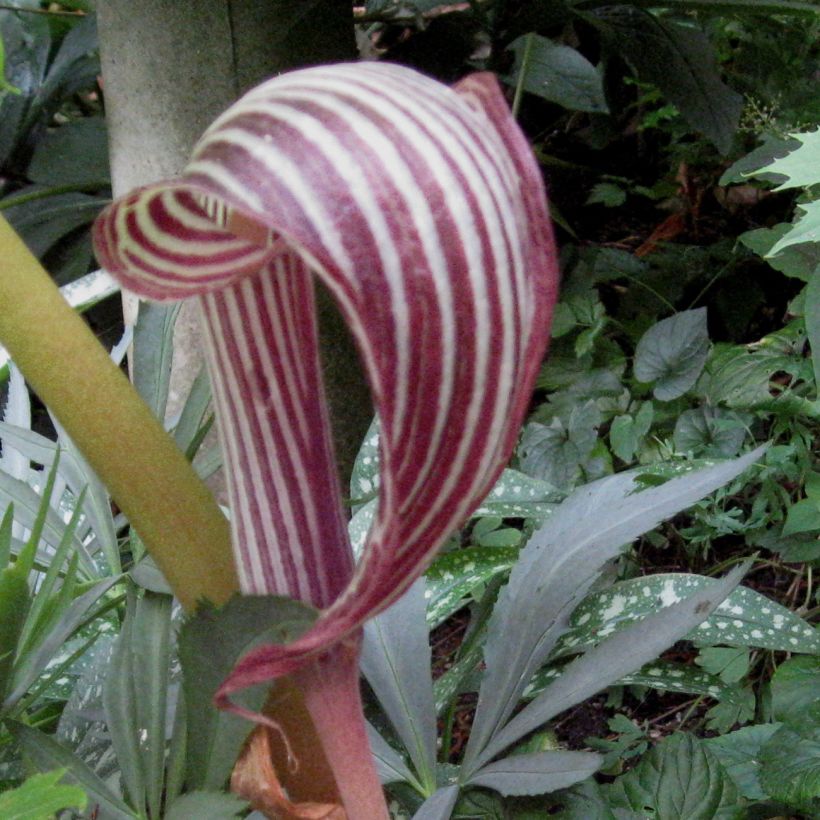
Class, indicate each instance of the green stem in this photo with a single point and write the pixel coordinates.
(149, 478)
(522, 75)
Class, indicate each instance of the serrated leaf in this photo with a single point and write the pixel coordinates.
(538, 773)
(739, 753)
(206, 806)
(41, 797)
(790, 767)
(680, 778)
(806, 228)
(585, 531)
(455, 575)
(800, 165)
(210, 643)
(752, 163)
(395, 659)
(745, 618)
(730, 664)
(671, 354)
(798, 261)
(557, 73)
(607, 194)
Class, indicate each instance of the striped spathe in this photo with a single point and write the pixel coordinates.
(422, 210)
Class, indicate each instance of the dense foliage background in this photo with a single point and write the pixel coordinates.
(680, 147)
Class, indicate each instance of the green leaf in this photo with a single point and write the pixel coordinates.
(709, 431)
(680, 60)
(14, 604)
(47, 754)
(210, 643)
(729, 664)
(800, 165)
(799, 261)
(811, 315)
(72, 154)
(364, 479)
(557, 452)
(517, 495)
(41, 797)
(537, 773)
(761, 157)
(796, 691)
(806, 228)
(680, 778)
(804, 516)
(790, 767)
(739, 753)
(607, 194)
(729, 712)
(454, 576)
(153, 349)
(627, 432)
(671, 354)
(745, 618)
(396, 659)
(557, 73)
(206, 806)
(586, 530)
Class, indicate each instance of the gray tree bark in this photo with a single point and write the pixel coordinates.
(169, 68)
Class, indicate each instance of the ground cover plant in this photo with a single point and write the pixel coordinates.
(625, 623)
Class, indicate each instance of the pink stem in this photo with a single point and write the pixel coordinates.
(331, 689)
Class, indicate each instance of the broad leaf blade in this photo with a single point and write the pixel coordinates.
(680, 778)
(584, 532)
(671, 354)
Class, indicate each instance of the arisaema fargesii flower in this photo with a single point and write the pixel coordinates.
(421, 209)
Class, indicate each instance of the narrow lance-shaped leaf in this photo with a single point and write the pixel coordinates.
(423, 212)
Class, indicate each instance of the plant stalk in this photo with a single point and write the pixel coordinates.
(149, 478)
(333, 698)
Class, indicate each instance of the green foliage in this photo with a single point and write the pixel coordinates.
(40, 797)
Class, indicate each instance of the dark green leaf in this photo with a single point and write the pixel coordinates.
(671, 354)
(680, 778)
(557, 73)
(796, 690)
(210, 643)
(73, 154)
(680, 60)
(709, 431)
(455, 575)
(153, 349)
(790, 767)
(739, 753)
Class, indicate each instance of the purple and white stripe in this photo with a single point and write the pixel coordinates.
(422, 210)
